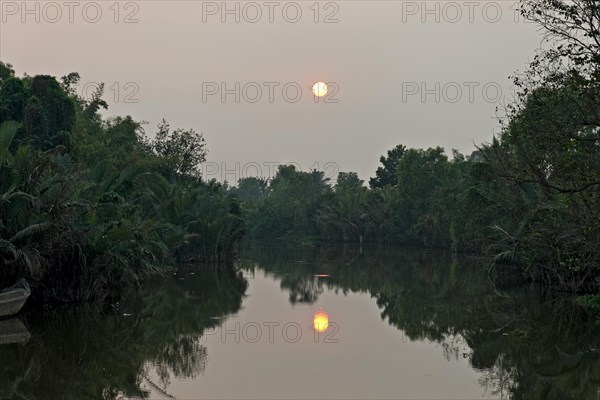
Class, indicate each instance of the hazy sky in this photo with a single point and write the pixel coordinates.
(420, 73)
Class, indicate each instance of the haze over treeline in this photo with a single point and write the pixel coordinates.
(404, 74)
(90, 203)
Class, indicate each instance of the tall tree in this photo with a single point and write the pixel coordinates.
(182, 151)
(387, 174)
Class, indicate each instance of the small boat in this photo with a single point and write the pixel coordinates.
(13, 331)
(13, 298)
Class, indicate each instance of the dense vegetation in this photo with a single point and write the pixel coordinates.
(90, 204)
(530, 198)
(529, 343)
(86, 352)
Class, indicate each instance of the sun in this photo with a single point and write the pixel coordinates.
(319, 89)
(321, 321)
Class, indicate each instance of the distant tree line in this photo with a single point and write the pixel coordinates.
(90, 205)
(530, 198)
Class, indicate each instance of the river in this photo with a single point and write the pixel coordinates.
(300, 322)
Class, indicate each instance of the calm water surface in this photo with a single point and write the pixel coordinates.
(311, 322)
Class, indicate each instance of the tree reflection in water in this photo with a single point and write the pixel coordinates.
(528, 343)
(90, 353)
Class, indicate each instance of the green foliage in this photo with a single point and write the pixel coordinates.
(343, 215)
(100, 197)
(8, 131)
(88, 352)
(251, 189)
(88, 205)
(290, 204)
(56, 112)
(530, 199)
(13, 98)
(591, 301)
(387, 175)
(46, 111)
(181, 151)
(6, 71)
(527, 342)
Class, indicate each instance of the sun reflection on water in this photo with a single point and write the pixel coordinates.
(321, 321)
